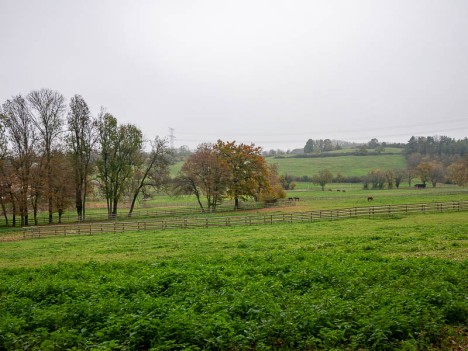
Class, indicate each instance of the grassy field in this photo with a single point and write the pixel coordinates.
(381, 284)
(311, 198)
(346, 165)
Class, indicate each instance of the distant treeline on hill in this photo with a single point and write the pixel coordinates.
(358, 152)
(436, 146)
(326, 145)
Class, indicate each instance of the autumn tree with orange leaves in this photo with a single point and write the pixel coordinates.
(248, 169)
(228, 170)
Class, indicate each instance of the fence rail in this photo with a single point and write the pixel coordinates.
(157, 212)
(247, 220)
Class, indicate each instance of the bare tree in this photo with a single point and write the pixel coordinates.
(152, 170)
(5, 184)
(22, 136)
(81, 140)
(47, 109)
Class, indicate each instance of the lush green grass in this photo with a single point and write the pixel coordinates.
(346, 165)
(313, 198)
(381, 284)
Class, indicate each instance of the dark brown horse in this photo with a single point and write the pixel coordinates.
(370, 198)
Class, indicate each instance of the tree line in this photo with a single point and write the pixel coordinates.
(51, 154)
(436, 146)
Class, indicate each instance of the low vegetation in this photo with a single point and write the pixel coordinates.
(380, 284)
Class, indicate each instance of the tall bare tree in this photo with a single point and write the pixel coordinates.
(81, 140)
(47, 109)
(151, 171)
(5, 184)
(22, 135)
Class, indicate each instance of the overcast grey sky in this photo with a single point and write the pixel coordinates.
(275, 73)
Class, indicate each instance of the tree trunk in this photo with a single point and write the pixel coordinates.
(197, 195)
(35, 215)
(114, 208)
(132, 205)
(85, 189)
(60, 212)
(50, 211)
(79, 205)
(13, 218)
(5, 213)
(49, 182)
(236, 203)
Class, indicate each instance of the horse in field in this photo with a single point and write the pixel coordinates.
(370, 198)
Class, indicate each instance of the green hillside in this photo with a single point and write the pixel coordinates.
(346, 165)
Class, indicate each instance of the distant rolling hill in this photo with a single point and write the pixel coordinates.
(346, 165)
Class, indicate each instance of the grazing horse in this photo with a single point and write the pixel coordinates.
(420, 186)
(296, 199)
(343, 191)
(370, 198)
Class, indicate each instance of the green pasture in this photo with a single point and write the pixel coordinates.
(313, 198)
(345, 165)
(356, 284)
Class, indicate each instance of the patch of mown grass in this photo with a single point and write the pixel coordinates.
(346, 285)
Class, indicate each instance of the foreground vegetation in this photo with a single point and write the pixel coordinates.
(380, 284)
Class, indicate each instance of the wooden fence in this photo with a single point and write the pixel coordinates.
(156, 212)
(247, 220)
